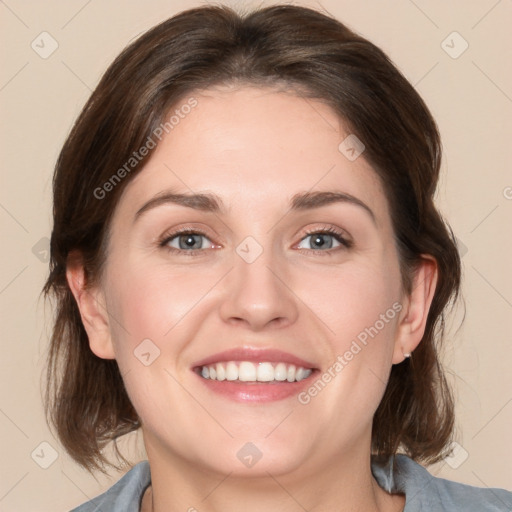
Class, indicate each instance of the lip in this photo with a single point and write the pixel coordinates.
(255, 392)
(255, 355)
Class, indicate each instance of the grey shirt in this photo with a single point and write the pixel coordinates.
(423, 492)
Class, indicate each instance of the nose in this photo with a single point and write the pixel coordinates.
(258, 296)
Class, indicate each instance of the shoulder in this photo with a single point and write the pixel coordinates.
(125, 495)
(424, 492)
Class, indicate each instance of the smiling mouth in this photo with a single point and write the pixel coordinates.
(247, 372)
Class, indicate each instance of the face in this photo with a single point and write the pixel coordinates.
(253, 288)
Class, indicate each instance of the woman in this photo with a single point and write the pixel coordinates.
(249, 266)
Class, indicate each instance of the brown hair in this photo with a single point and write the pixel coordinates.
(317, 57)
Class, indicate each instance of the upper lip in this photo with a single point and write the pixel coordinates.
(255, 355)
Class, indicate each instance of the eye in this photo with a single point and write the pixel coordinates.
(323, 240)
(187, 241)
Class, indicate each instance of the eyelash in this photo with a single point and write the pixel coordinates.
(328, 230)
(166, 238)
(338, 235)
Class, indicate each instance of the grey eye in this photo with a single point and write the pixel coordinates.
(189, 241)
(319, 241)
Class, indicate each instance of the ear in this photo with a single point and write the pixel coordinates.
(91, 304)
(416, 307)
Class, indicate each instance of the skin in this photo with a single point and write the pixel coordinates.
(255, 149)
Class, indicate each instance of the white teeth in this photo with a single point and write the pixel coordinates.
(231, 371)
(221, 372)
(246, 371)
(265, 372)
(280, 372)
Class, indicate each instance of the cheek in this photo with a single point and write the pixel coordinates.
(153, 317)
(360, 306)
(156, 302)
(346, 394)
(353, 298)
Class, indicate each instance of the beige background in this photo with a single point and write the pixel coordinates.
(471, 98)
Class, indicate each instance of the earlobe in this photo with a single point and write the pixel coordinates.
(92, 308)
(415, 313)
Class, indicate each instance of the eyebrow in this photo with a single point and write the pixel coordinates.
(203, 202)
(213, 204)
(309, 200)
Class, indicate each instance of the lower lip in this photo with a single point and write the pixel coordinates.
(258, 392)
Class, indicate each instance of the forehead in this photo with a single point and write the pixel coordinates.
(253, 145)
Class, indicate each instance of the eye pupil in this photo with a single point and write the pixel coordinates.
(189, 241)
(319, 241)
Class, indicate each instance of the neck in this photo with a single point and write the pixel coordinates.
(345, 483)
